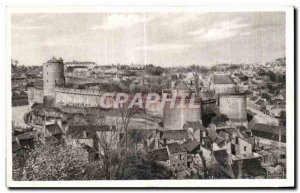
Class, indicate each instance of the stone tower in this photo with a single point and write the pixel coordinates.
(53, 75)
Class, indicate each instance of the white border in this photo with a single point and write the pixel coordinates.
(288, 182)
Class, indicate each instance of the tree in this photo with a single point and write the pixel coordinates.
(111, 156)
(145, 167)
(126, 115)
(55, 161)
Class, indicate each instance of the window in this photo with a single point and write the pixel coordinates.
(47, 73)
(168, 162)
(47, 80)
(245, 148)
(181, 157)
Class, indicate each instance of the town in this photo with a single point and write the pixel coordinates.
(237, 128)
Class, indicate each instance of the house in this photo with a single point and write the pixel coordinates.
(196, 130)
(95, 136)
(177, 156)
(161, 156)
(54, 130)
(270, 132)
(26, 139)
(171, 136)
(224, 84)
(260, 105)
(193, 148)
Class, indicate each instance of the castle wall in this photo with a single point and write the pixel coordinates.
(72, 99)
(234, 106)
(78, 80)
(53, 74)
(79, 98)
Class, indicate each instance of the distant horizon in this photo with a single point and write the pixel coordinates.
(175, 66)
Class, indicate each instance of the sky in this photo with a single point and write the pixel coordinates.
(164, 39)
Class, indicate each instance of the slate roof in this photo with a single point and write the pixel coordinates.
(244, 132)
(207, 94)
(160, 154)
(175, 148)
(174, 134)
(26, 135)
(76, 131)
(223, 79)
(54, 129)
(215, 137)
(269, 128)
(191, 145)
(221, 157)
(219, 120)
(152, 145)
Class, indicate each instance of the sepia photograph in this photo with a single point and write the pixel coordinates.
(150, 97)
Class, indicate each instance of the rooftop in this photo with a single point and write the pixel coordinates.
(54, 129)
(175, 148)
(174, 134)
(191, 145)
(269, 128)
(160, 154)
(223, 79)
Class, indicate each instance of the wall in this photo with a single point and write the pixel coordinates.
(240, 147)
(79, 98)
(175, 118)
(263, 118)
(35, 95)
(78, 80)
(234, 106)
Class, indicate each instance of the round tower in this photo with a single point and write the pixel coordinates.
(53, 75)
(234, 106)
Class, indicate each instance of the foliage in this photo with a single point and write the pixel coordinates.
(143, 167)
(52, 161)
(154, 70)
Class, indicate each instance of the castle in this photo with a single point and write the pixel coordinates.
(54, 91)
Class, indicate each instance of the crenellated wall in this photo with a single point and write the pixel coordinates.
(79, 97)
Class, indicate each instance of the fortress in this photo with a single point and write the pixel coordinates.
(53, 89)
